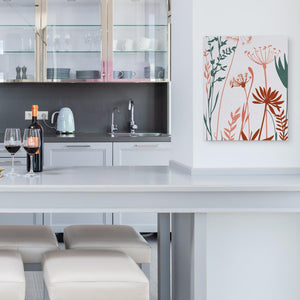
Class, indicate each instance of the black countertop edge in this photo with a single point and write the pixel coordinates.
(100, 138)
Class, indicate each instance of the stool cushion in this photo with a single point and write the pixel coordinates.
(111, 237)
(31, 241)
(93, 275)
(12, 278)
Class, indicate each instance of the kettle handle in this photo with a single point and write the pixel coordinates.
(53, 115)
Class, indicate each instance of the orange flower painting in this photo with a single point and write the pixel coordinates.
(245, 88)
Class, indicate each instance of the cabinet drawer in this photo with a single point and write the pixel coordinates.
(78, 154)
(141, 154)
(6, 161)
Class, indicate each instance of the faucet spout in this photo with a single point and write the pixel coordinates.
(132, 126)
(114, 127)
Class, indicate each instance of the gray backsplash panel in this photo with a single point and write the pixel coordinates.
(91, 104)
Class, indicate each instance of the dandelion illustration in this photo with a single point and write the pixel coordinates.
(263, 55)
(241, 80)
(271, 101)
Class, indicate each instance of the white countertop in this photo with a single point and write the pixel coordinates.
(145, 179)
(147, 189)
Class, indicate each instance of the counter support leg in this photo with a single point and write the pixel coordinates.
(163, 249)
(39, 219)
(189, 257)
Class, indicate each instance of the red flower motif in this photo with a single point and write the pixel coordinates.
(269, 98)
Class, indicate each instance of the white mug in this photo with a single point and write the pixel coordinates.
(115, 45)
(143, 44)
(128, 45)
(153, 45)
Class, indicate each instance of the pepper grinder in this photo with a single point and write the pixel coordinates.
(24, 75)
(18, 70)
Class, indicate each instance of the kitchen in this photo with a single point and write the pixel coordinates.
(92, 104)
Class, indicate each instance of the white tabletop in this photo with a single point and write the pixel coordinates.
(144, 179)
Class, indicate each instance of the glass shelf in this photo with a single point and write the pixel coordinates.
(26, 25)
(145, 25)
(73, 52)
(144, 51)
(18, 52)
(84, 25)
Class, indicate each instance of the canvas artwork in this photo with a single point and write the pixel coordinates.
(245, 88)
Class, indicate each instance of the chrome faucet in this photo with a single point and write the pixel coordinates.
(132, 126)
(114, 127)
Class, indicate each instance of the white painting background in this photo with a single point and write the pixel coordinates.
(233, 98)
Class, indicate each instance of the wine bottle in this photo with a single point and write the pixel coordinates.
(38, 159)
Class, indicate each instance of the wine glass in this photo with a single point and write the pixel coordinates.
(31, 144)
(12, 143)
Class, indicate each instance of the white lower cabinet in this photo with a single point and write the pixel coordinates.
(140, 154)
(77, 155)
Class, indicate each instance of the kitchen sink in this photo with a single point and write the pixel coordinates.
(137, 134)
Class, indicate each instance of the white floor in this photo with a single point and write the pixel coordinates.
(34, 280)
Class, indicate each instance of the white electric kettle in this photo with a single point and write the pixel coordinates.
(65, 121)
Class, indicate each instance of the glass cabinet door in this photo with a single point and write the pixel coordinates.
(17, 40)
(73, 40)
(139, 40)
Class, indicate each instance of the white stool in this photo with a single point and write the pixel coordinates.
(93, 275)
(110, 237)
(12, 278)
(32, 241)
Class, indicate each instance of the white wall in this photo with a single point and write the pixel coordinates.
(250, 257)
(253, 257)
(231, 17)
(182, 82)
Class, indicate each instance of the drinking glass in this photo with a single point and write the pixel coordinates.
(12, 143)
(31, 144)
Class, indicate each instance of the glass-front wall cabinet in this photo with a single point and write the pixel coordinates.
(140, 40)
(17, 40)
(73, 36)
(84, 40)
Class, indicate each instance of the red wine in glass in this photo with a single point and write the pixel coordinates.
(12, 149)
(12, 143)
(31, 150)
(31, 144)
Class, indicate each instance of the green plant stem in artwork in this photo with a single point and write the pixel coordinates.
(217, 69)
(282, 69)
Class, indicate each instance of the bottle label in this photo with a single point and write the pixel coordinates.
(32, 142)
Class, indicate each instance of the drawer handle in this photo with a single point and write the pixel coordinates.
(78, 146)
(146, 146)
(9, 161)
